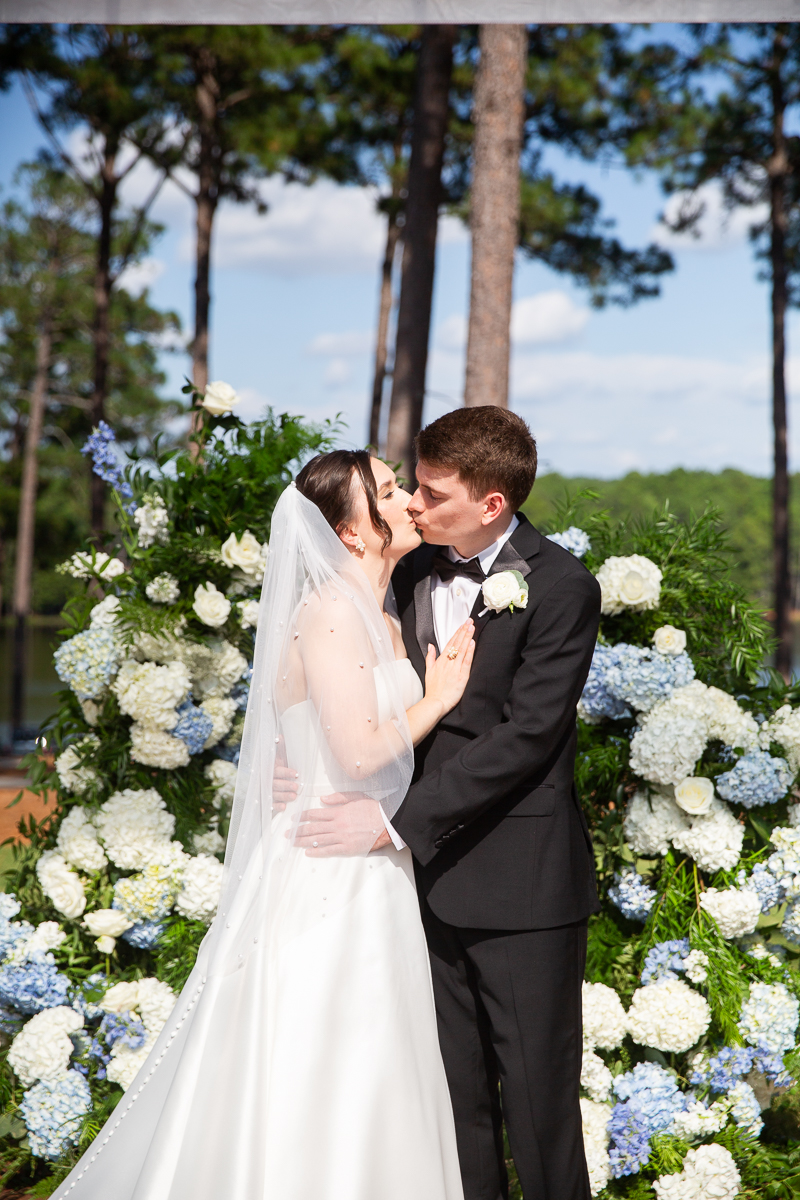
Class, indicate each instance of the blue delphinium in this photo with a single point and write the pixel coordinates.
(193, 727)
(632, 896)
(144, 935)
(723, 1069)
(665, 960)
(649, 1100)
(102, 445)
(596, 700)
(764, 884)
(33, 985)
(642, 677)
(53, 1111)
(758, 778)
(85, 997)
(573, 539)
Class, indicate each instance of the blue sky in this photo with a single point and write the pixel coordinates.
(683, 380)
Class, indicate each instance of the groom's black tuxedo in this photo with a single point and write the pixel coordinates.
(505, 869)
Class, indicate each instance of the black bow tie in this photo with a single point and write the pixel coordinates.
(446, 569)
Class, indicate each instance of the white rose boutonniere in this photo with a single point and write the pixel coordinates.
(506, 589)
(219, 398)
(211, 605)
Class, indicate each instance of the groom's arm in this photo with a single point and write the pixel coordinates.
(541, 706)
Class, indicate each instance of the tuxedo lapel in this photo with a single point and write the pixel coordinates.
(514, 554)
(423, 605)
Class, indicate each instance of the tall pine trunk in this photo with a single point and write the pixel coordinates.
(23, 567)
(384, 313)
(777, 171)
(207, 94)
(101, 325)
(431, 107)
(494, 209)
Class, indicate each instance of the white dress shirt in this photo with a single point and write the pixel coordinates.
(452, 604)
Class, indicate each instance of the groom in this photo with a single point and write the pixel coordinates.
(502, 851)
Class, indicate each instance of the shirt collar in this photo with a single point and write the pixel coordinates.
(486, 557)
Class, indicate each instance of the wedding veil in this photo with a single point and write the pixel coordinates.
(324, 695)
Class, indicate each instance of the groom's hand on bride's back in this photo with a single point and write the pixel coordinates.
(348, 824)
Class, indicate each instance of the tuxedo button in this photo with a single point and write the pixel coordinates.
(438, 844)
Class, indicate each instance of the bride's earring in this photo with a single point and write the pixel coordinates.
(360, 546)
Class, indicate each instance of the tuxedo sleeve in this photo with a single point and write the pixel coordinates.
(539, 710)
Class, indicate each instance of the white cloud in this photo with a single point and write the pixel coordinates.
(136, 278)
(452, 333)
(546, 317)
(338, 372)
(717, 229)
(345, 345)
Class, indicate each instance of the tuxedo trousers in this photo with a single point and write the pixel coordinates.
(508, 1006)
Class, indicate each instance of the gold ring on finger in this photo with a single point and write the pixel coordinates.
(452, 654)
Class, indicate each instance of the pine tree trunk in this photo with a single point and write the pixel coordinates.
(431, 107)
(384, 312)
(777, 171)
(207, 93)
(23, 567)
(494, 209)
(101, 328)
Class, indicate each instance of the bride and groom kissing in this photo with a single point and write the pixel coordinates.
(395, 970)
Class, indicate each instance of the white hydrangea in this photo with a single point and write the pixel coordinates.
(729, 722)
(125, 1063)
(744, 1108)
(163, 589)
(248, 613)
(47, 936)
(42, 1049)
(210, 841)
(652, 822)
(784, 864)
(62, 886)
(735, 912)
(221, 774)
(714, 840)
(594, 1119)
(709, 1173)
(9, 905)
(135, 827)
(784, 728)
(72, 776)
(630, 582)
(222, 711)
(199, 894)
(668, 745)
(153, 1001)
(596, 1078)
(604, 1020)
(154, 747)
(695, 966)
(149, 895)
(149, 693)
(216, 673)
(77, 841)
(152, 520)
(699, 1120)
(668, 1015)
(769, 1017)
(793, 815)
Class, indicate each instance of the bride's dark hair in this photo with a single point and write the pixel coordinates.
(327, 481)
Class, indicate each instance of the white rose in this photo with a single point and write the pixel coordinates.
(122, 997)
(220, 398)
(669, 640)
(105, 944)
(695, 795)
(629, 581)
(248, 614)
(502, 590)
(105, 613)
(107, 922)
(211, 606)
(244, 552)
(61, 885)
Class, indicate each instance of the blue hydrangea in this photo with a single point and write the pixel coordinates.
(194, 726)
(102, 445)
(649, 1100)
(573, 539)
(10, 1021)
(229, 753)
(144, 935)
(745, 1109)
(665, 960)
(241, 692)
(790, 925)
(85, 997)
(88, 661)
(758, 778)
(12, 932)
(53, 1111)
(772, 1065)
(641, 677)
(632, 896)
(764, 884)
(33, 985)
(723, 1069)
(124, 1028)
(596, 700)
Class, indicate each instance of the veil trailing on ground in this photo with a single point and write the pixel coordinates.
(325, 697)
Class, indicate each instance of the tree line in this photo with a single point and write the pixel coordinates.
(438, 117)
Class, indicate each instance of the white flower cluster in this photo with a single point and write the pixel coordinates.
(135, 828)
(632, 582)
(246, 556)
(163, 589)
(700, 1120)
(784, 728)
(77, 841)
(651, 822)
(596, 1078)
(72, 776)
(594, 1119)
(668, 1015)
(152, 520)
(604, 1020)
(201, 884)
(709, 1173)
(784, 864)
(85, 564)
(221, 774)
(695, 966)
(714, 840)
(62, 886)
(105, 614)
(152, 1001)
(150, 693)
(769, 1017)
(735, 912)
(42, 1049)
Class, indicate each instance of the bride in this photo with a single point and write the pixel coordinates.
(301, 1061)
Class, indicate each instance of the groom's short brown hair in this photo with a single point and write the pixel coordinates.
(492, 449)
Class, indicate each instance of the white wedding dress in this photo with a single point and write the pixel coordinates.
(302, 1060)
